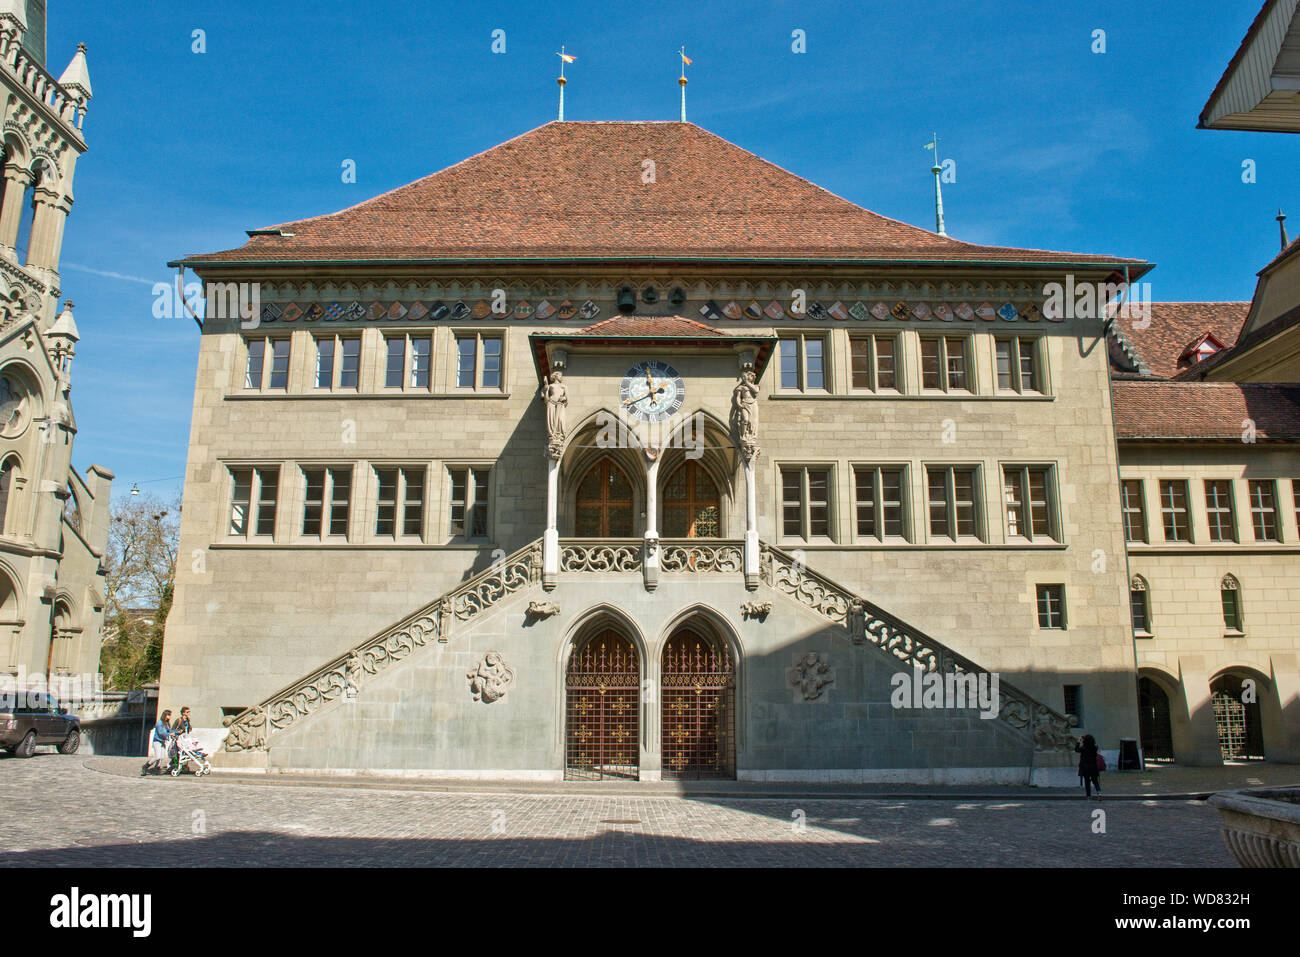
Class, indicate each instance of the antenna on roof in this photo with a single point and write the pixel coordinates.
(564, 58)
(1281, 225)
(936, 169)
(686, 61)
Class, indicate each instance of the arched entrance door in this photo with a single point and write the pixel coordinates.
(604, 503)
(602, 709)
(1153, 722)
(1241, 737)
(691, 504)
(698, 694)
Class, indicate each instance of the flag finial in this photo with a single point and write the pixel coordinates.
(686, 61)
(564, 58)
(936, 169)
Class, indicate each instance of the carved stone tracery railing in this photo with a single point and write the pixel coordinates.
(250, 730)
(601, 555)
(702, 555)
(1049, 729)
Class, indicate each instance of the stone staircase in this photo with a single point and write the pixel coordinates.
(781, 571)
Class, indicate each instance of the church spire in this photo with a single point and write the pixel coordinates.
(686, 61)
(1281, 226)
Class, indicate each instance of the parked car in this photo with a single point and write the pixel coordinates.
(37, 719)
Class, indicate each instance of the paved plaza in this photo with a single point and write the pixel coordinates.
(91, 811)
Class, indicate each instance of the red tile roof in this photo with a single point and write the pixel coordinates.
(1175, 326)
(580, 190)
(1151, 409)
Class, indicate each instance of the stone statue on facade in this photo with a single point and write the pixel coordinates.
(556, 395)
(491, 679)
(744, 415)
(810, 675)
(248, 735)
(352, 672)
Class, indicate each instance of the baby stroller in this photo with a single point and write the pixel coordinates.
(184, 749)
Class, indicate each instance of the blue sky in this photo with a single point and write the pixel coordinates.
(1056, 146)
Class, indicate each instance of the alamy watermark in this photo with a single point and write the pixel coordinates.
(934, 689)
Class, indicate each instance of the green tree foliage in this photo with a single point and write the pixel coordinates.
(140, 566)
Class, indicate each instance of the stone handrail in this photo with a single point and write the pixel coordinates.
(250, 730)
(702, 555)
(601, 554)
(1050, 730)
(40, 83)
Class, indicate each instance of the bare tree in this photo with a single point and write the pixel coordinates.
(140, 572)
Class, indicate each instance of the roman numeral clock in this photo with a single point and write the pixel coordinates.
(652, 391)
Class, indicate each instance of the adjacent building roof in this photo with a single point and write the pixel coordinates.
(613, 190)
(1165, 345)
(1258, 89)
(1157, 410)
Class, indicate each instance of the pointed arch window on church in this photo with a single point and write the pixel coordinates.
(691, 504)
(604, 505)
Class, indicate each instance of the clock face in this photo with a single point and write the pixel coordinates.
(652, 391)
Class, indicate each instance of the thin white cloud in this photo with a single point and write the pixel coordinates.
(111, 275)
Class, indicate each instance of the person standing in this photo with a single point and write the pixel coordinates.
(182, 724)
(158, 745)
(1089, 765)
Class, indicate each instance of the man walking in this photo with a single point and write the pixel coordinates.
(158, 745)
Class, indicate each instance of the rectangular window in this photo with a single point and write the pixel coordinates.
(252, 501)
(943, 364)
(1029, 509)
(279, 378)
(879, 502)
(256, 356)
(1017, 364)
(1218, 510)
(350, 367)
(386, 502)
(1135, 513)
(951, 493)
(325, 363)
(478, 362)
(1051, 607)
(1173, 510)
(1231, 608)
(469, 502)
(802, 363)
(805, 502)
(872, 363)
(1263, 510)
(421, 350)
(413, 502)
(1141, 616)
(394, 361)
(1074, 703)
(327, 503)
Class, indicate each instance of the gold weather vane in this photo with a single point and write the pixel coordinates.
(686, 61)
(564, 58)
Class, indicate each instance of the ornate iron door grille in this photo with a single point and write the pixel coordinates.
(602, 710)
(1153, 722)
(699, 709)
(1240, 736)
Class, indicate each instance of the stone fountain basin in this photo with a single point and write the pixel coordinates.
(1261, 826)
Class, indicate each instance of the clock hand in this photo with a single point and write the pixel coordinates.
(640, 397)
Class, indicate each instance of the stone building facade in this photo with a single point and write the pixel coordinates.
(53, 521)
(557, 464)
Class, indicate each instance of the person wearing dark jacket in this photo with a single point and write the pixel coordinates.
(1088, 770)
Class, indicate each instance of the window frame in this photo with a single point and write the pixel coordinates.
(805, 502)
(872, 341)
(1186, 510)
(1230, 584)
(877, 470)
(266, 369)
(1017, 356)
(1026, 503)
(409, 369)
(1139, 586)
(950, 469)
(479, 337)
(469, 503)
(336, 362)
(400, 503)
(328, 501)
(255, 502)
(1212, 523)
(1126, 508)
(968, 366)
(800, 340)
(1045, 590)
(1257, 512)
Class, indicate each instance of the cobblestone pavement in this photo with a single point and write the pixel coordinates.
(61, 811)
